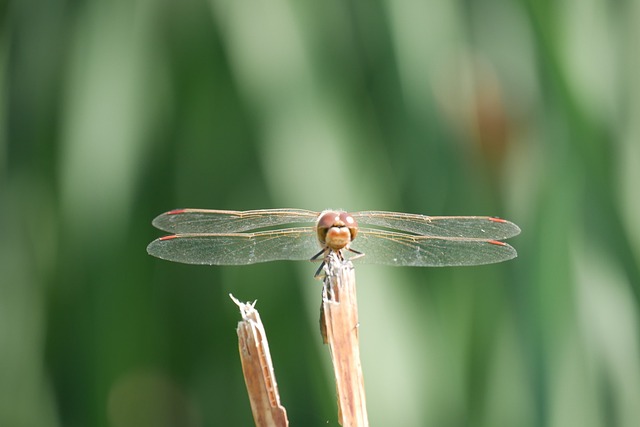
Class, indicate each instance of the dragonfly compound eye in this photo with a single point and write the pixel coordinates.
(336, 229)
(348, 221)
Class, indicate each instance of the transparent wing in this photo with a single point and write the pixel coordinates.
(389, 248)
(237, 248)
(475, 227)
(191, 221)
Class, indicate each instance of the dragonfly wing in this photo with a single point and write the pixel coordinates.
(237, 248)
(389, 248)
(474, 227)
(194, 221)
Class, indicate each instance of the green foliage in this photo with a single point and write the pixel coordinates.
(115, 111)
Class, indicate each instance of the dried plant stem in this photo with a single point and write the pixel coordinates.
(339, 323)
(258, 369)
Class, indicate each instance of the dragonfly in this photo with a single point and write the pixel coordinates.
(225, 237)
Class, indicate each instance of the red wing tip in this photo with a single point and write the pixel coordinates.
(497, 242)
(176, 211)
(495, 219)
(173, 236)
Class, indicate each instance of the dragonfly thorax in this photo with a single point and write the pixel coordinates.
(336, 229)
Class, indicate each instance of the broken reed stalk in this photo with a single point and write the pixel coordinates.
(339, 324)
(257, 369)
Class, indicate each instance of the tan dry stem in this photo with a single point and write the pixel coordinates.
(339, 323)
(257, 369)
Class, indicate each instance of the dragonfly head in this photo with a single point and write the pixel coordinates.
(336, 229)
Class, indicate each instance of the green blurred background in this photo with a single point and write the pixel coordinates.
(115, 111)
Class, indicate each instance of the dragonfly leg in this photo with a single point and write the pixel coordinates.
(357, 255)
(316, 256)
(317, 274)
